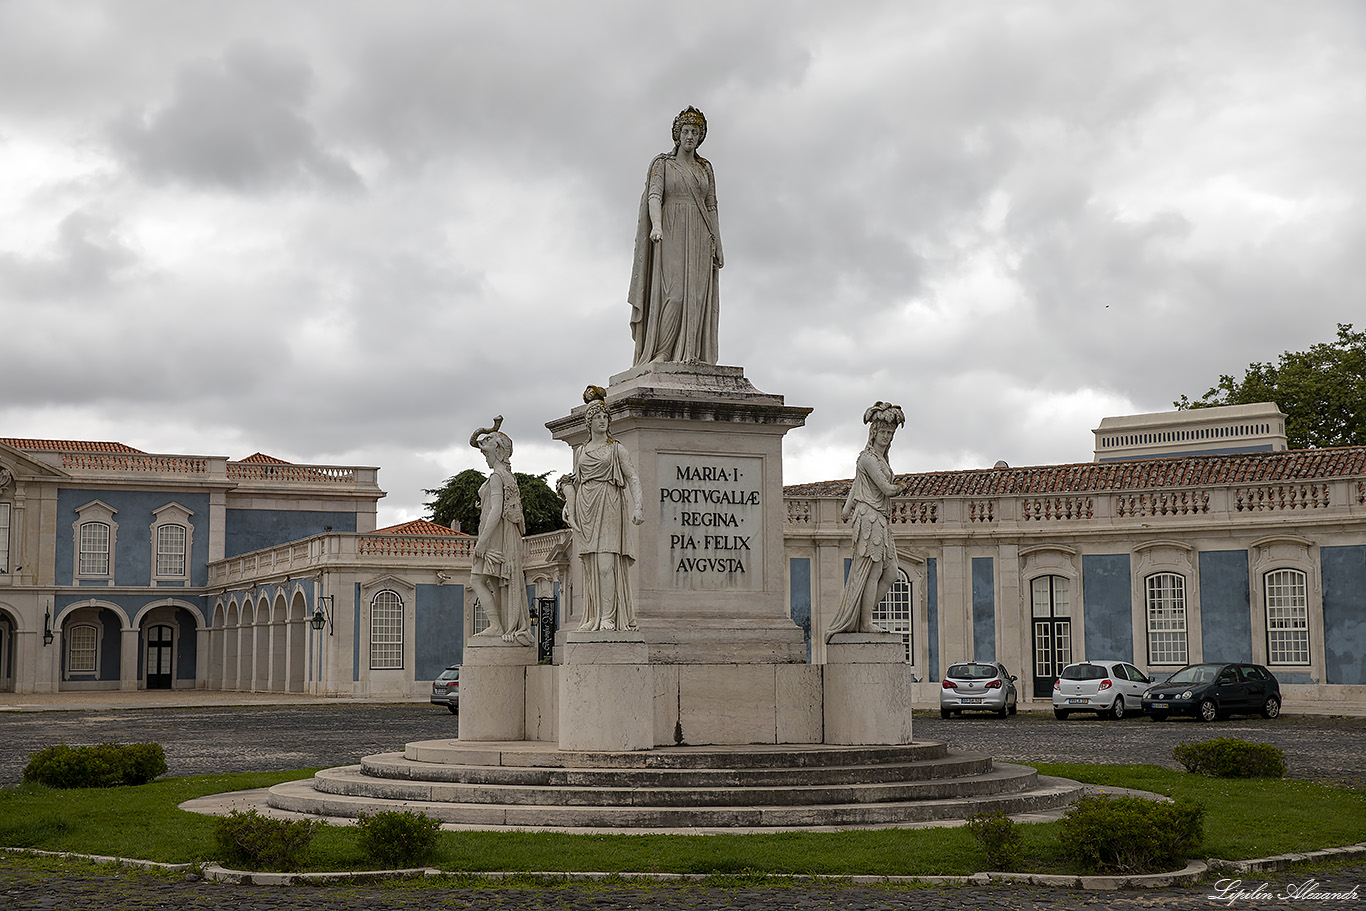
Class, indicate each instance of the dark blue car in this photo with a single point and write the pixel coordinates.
(1215, 690)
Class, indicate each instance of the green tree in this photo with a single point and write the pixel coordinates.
(458, 499)
(1322, 391)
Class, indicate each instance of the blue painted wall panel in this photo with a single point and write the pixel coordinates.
(984, 608)
(799, 581)
(253, 529)
(439, 625)
(132, 544)
(1106, 589)
(1225, 611)
(188, 651)
(932, 614)
(1344, 614)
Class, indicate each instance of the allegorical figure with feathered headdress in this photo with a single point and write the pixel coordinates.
(597, 509)
(868, 505)
(496, 574)
(674, 301)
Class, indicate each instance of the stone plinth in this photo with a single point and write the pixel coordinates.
(493, 689)
(606, 692)
(867, 689)
(709, 581)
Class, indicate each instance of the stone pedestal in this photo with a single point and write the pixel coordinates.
(493, 689)
(867, 689)
(709, 581)
(606, 693)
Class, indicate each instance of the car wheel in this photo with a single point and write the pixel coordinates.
(1208, 710)
(1061, 714)
(1005, 710)
(1117, 710)
(1158, 716)
(1272, 709)
(944, 713)
(1014, 707)
(453, 710)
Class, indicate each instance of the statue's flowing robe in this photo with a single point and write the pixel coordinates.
(601, 513)
(874, 552)
(674, 301)
(502, 560)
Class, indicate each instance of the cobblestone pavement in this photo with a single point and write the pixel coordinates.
(244, 738)
(78, 887)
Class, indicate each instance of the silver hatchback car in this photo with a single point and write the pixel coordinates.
(1109, 688)
(977, 686)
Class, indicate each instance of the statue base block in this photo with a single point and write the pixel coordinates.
(867, 689)
(493, 689)
(605, 692)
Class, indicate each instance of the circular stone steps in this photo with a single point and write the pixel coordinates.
(533, 785)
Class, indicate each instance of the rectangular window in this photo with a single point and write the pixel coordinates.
(4, 537)
(94, 549)
(80, 658)
(171, 550)
(386, 632)
(893, 613)
(1287, 617)
(1166, 595)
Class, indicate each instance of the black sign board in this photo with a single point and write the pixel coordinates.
(547, 622)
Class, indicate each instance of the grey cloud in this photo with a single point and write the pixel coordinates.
(239, 123)
(87, 258)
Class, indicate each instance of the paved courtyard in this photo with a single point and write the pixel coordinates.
(211, 738)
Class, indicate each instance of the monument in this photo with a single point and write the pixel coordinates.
(675, 623)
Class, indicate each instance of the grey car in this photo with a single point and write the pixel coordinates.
(977, 686)
(446, 689)
(1108, 688)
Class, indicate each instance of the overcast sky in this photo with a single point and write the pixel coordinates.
(350, 233)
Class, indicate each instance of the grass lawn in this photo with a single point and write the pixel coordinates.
(1244, 819)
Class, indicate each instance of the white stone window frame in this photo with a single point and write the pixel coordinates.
(94, 512)
(1278, 552)
(1037, 562)
(913, 567)
(169, 515)
(1165, 556)
(94, 649)
(406, 593)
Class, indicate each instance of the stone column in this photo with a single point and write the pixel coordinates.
(606, 692)
(128, 659)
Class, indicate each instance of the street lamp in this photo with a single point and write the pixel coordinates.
(47, 627)
(322, 614)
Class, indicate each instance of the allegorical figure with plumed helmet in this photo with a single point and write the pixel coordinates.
(496, 576)
(868, 506)
(674, 301)
(597, 509)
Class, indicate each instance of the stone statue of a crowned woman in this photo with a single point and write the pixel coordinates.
(673, 295)
(868, 506)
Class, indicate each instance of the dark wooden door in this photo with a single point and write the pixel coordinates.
(159, 657)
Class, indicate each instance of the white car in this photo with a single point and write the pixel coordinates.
(1109, 688)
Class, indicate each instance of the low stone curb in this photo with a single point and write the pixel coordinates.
(1192, 873)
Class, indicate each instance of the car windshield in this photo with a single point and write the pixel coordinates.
(1196, 673)
(972, 671)
(1084, 672)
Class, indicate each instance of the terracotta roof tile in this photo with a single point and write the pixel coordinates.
(262, 458)
(67, 446)
(418, 527)
(1138, 474)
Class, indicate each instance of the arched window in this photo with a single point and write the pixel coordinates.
(81, 650)
(1166, 603)
(1287, 617)
(386, 631)
(893, 612)
(94, 549)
